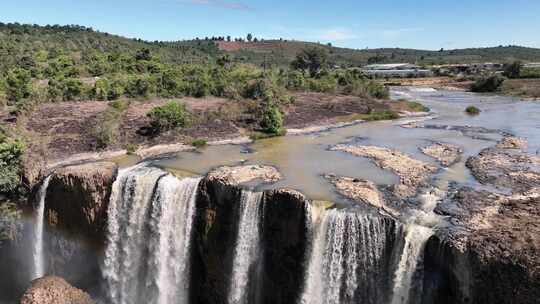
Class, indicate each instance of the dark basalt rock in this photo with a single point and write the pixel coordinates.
(214, 235)
(284, 239)
(491, 253)
(284, 245)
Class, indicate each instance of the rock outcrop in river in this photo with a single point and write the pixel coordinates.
(411, 172)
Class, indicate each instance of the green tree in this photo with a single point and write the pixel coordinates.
(11, 151)
(311, 59)
(513, 70)
(18, 84)
(272, 119)
(249, 37)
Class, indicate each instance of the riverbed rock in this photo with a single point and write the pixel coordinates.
(513, 170)
(411, 172)
(491, 253)
(446, 154)
(512, 142)
(362, 191)
(245, 174)
(54, 290)
(78, 197)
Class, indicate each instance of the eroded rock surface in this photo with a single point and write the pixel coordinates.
(411, 172)
(506, 169)
(54, 290)
(446, 154)
(245, 174)
(362, 191)
(491, 252)
(511, 142)
(78, 197)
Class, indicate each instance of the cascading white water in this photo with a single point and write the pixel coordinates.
(346, 259)
(416, 237)
(149, 234)
(247, 246)
(39, 259)
(417, 233)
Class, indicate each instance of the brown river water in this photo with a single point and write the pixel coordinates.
(302, 159)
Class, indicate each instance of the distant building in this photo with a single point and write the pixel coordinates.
(402, 70)
(532, 65)
(468, 68)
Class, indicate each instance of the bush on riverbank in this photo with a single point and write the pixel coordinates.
(487, 84)
(272, 120)
(170, 116)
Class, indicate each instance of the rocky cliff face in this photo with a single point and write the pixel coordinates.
(284, 237)
(491, 253)
(78, 197)
(54, 290)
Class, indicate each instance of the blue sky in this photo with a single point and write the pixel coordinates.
(426, 24)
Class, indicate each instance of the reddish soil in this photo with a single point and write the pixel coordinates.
(231, 46)
(66, 128)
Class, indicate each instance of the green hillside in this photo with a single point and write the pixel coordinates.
(19, 40)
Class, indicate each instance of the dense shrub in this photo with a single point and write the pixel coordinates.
(513, 70)
(11, 151)
(18, 84)
(272, 120)
(380, 115)
(487, 84)
(169, 116)
(472, 110)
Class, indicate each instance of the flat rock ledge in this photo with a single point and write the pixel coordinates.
(360, 190)
(245, 174)
(54, 290)
(511, 142)
(445, 154)
(506, 168)
(411, 172)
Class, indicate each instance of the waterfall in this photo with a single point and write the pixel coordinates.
(417, 233)
(149, 234)
(247, 247)
(416, 237)
(39, 259)
(350, 254)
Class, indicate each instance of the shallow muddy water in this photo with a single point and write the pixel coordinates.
(302, 159)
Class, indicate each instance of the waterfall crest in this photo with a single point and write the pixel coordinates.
(149, 234)
(349, 255)
(247, 247)
(39, 259)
